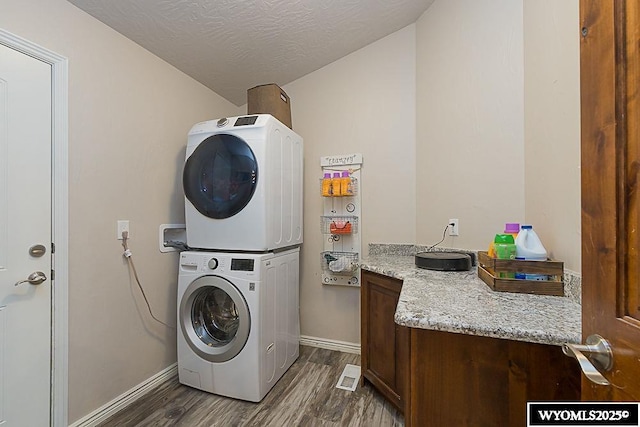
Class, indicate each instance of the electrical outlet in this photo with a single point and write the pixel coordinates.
(453, 227)
(123, 225)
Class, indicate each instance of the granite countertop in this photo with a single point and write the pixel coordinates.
(460, 302)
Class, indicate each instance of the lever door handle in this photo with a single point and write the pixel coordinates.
(34, 278)
(599, 353)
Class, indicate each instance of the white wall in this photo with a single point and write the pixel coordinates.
(552, 125)
(362, 103)
(470, 120)
(498, 122)
(129, 114)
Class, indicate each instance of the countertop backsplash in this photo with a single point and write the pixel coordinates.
(573, 286)
(572, 280)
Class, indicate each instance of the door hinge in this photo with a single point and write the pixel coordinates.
(53, 274)
(53, 248)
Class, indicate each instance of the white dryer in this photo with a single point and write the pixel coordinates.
(242, 182)
(238, 317)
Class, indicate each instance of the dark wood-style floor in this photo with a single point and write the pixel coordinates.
(305, 396)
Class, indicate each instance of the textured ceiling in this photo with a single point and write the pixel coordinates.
(233, 45)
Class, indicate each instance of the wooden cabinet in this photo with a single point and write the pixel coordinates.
(440, 378)
(467, 380)
(385, 345)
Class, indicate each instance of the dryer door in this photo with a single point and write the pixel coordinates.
(220, 176)
(214, 318)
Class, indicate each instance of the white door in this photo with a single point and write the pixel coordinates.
(25, 222)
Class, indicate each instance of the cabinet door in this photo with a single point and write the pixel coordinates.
(467, 380)
(385, 345)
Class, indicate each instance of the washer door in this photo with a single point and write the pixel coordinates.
(220, 176)
(214, 318)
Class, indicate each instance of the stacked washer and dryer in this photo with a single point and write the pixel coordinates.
(238, 285)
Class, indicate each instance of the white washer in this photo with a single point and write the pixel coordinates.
(238, 317)
(242, 182)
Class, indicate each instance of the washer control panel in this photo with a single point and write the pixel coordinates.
(242, 264)
(239, 265)
(190, 261)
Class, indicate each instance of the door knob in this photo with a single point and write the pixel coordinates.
(599, 353)
(34, 278)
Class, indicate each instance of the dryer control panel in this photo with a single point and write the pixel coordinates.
(246, 121)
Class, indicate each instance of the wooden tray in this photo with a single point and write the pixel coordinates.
(490, 269)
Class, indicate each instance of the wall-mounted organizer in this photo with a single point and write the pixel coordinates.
(340, 187)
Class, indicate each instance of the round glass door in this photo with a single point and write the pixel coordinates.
(220, 176)
(214, 318)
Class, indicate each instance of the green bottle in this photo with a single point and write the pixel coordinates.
(505, 246)
(505, 249)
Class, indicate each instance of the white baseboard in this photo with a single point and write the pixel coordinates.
(344, 346)
(128, 397)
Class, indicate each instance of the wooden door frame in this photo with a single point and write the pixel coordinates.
(59, 219)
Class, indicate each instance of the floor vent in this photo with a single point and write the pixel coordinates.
(349, 378)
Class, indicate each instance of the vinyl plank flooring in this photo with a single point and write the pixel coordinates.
(304, 396)
(293, 404)
(330, 403)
